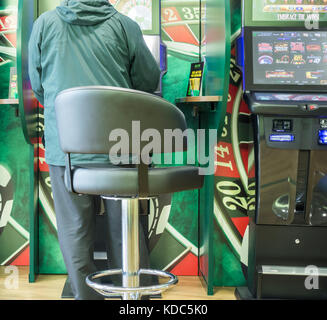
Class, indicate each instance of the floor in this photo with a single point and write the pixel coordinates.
(14, 285)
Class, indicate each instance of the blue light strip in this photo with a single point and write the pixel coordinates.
(323, 137)
(323, 140)
(282, 138)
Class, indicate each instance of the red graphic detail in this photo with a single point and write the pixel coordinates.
(39, 165)
(43, 166)
(244, 108)
(252, 172)
(8, 23)
(313, 107)
(23, 258)
(232, 92)
(11, 38)
(241, 224)
(187, 267)
(34, 140)
(181, 34)
(225, 162)
(244, 150)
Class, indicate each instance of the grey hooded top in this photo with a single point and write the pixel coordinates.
(83, 43)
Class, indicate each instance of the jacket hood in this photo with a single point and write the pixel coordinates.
(85, 12)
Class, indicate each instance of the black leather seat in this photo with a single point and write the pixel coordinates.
(110, 181)
(86, 118)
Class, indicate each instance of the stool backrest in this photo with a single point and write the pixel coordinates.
(87, 115)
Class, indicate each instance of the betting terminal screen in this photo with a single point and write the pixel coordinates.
(144, 12)
(292, 58)
(289, 10)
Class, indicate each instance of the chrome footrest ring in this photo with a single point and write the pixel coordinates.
(108, 290)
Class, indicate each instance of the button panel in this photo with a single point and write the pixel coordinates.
(312, 107)
(323, 123)
(280, 125)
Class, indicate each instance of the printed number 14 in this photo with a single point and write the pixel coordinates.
(221, 152)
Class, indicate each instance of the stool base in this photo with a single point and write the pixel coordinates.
(130, 293)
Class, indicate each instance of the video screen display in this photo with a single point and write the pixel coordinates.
(141, 11)
(289, 10)
(290, 58)
(264, 96)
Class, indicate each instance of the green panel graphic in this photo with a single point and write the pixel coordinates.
(184, 214)
(50, 257)
(180, 33)
(14, 156)
(14, 153)
(175, 82)
(4, 77)
(236, 15)
(227, 271)
(160, 261)
(11, 243)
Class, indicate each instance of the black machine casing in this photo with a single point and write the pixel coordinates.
(288, 230)
(287, 256)
(284, 258)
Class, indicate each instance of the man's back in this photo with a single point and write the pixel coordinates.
(82, 43)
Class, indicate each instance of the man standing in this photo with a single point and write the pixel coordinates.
(84, 43)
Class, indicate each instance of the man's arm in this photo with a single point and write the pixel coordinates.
(34, 60)
(144, 72)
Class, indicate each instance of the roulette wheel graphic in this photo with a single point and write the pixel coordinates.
(234, 178)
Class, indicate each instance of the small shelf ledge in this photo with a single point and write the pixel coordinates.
(9, 101)
(204, 99)
(200, 104)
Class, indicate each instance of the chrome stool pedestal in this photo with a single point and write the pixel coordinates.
(130, 288)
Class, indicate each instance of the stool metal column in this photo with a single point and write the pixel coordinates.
(130, 245)
(130, 282)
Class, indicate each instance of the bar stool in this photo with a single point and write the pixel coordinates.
(90, 120)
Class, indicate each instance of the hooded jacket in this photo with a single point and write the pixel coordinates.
(84, 43)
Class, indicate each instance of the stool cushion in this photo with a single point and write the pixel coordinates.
(119, 181)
